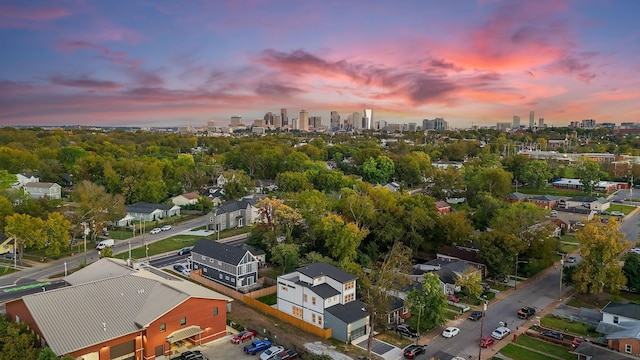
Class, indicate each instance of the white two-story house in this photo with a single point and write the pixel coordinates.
(325, 296)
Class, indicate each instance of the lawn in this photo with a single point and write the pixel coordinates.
(626, 209)
(568, 248)
(5, 270)
(572, 327)
(545, 347)
(516, 352)
(270, 299)
(171, 244)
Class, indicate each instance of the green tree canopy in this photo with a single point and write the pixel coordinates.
(428, 304)
(631, 270)
(588, 172)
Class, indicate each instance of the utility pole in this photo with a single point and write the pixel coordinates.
(561, 268)
(484, 310)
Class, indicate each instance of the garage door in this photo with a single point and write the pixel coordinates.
(124, 351)
(361, 331)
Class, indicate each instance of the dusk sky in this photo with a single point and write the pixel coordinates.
(176, 63)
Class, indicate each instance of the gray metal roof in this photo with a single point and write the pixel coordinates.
(104, 268)
(631, 331)
(596, 352)
(349, 312)
(83, 315)
(323, 269)
(631, 311)
(219, 251)
(232, 206)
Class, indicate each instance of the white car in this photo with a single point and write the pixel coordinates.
(500, 333)
(271, 352)
(616, 213)
(450, 332)
(155, 231)
(166, 228)
(635, 251)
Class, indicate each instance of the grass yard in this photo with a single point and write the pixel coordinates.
(171, 244)
(271, 299)
(626, 209)
(516, 352)
(545, 347)
(5, 270)
(572, 327)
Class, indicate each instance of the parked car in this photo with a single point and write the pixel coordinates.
(192, 355)
(166, 228)
(500, 333)
(604, 220)
(10, 256)
(485, 286)
(271, 352)
(286, 355)
(526, 312)
(179, 267)
(105, 243)
(576, 342)
(450, 332)
(554, 213)
(571, 259)
(486, 342)
(155, 231)
(635, 251)
(453, 298)
(552, 334)
(476, 315)
(257, 346)
(243, 336)
(184, 251)
(412, 351)
(406, 330)
(617, 213)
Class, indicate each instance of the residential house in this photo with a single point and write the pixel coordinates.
(38, 190)
(398, 313)
(544, 201)
(231, 266)
(574, 216)
(215, 194)
(151, 212)
(6, 243)
(576, 184)
(621, 326)
(185, 199)
(447, 164)
(516, 197)
(264, 186)
(258, 254)
(589, 351)
(233, 214)
(442, 207)
(124, 313)
(322, 295)
(462, 253)
(587, 202)
(24, 179)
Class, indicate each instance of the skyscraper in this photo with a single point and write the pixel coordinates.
(532, 121)
(236, 120)
(335, 120)
(285, 117)
(356, 120)
(516, 122)
(541, 122)
(303, 121)
(368, 119)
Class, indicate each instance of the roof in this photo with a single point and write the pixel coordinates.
(631, 311)
(254, 251)
(458, 266)
(110, 308)
(447, 276)
(349, 312)
(147, 208)
(631, 331)
(323, 269)
(585, 199)
(595, 352)
(104, 268)
(41, 185)
(442, 204)
(517, 196)
(545, 198)
(191, 195)
(219, 251)
(232, 206)
(460, 253)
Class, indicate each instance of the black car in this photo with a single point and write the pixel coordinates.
(526, 312)
(476, 315)
(412, 351)
(184, 251)
(406, 330)
(192, 355)
(552, 334)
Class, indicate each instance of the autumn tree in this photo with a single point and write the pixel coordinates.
(6, 209)
(428, 303)
(498, 252)
(376, 285)
(469, 282)
(56, 229)
(27, 231)
(535, 173)
(452, 228)
(341, 238)
(94, 207)
(599, 269)
(107, 252)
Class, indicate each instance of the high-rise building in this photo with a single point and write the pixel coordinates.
(236, 121)
(269, 119)
(355, 120)
(435, 124)
(277, 122)
(411, 126)
(516, 122)
(541, 122)
(285, 116)
(367, 119)
(588, 124)
(532, 120)
(303, 120)
(315, 122)
(335, 120)
(503, 126)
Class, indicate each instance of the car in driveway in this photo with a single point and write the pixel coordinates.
(571, 259)
(635, 251)
(243, 336)
(155, 231)
(166, 228)
(257, 346)
(191, 355)
(617, 213)
(486, 342)
(286, 355)
(412, 351)
(182, 269)
(500, 333)
(552, 334)
(406, 330)
(476, 315)
(450, 332)
(271, 352)
(184, 251)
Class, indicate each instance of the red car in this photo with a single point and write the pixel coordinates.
(453, 298)
(487, 341)
(243, 336)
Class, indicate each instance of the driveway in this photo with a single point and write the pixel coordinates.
(380, 348)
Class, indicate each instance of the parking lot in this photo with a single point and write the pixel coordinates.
(221, 349)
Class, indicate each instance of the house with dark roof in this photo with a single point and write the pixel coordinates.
(151, 212)
(233, 214)
(231, 266)
(586, 202)
(621, 326)
(324, 296)
(6, 243)
(544, 201)
(25, 178)
(462, 253)
(125, 313)
(589, 351)
(516, 197)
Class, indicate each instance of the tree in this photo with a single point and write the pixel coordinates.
(285, 255)
(599, 269)
(6, 209)
(535, 173)
(469, 282)
(341, 239)
(376, 284)
(7, 179)
(56, 230)
(290, 181)
(498, 252)
(94, 207)
(379, 170)
(107, 252)
(588, 172)
(453, 228)
(48, 354)
(432, 301)
(204, 204)
(631, 270)
(486, 208)
(27, 231)
(238, 185)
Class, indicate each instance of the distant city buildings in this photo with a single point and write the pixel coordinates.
(367, 120)
(503, 126)
(541, 123)
(516, 122)
(435, 124)
(303, 121)
(284, 116)
(532, 121)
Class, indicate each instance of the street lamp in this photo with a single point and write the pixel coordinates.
(484, 310)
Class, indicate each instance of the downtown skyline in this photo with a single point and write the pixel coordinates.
(165, 63)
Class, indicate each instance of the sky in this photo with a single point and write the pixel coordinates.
(179, 63)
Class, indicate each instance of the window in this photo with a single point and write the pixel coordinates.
(226, 277)
(204, 270)
(297, 312)
(319, 319)
(404, 310)
(349, 297)
(215, 311)
(349, 285)
(313, 300)
(284, 288)
(313, 318)
(304, 297)
(183, 321)
(628, 348)
(615, 320)
(220, 276)
(163, 327)
(203, 258)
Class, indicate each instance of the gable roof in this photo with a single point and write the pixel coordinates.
(219, 251)
(442, 204)
(460, 253)
(517, 196)
(595, 352)
(631, 311)
(147, 208)
(447, 276)
(190, 196)
(585, 199)
(232, 206)
(40, 185)
(631, 331)
(545, 198)
(104, 268)
(318, 269)
(110, 308)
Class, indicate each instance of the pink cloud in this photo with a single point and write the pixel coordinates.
(84, 82)
(115, 57)
(29, 16)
